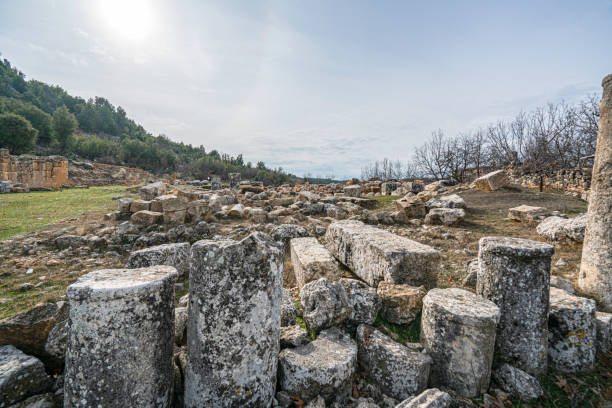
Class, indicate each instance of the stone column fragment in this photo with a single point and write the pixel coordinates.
(121, 335)
(458, 332)
(234, 322)
(514, 274)
(595, 277)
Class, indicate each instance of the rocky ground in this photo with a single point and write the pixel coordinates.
(37, 267)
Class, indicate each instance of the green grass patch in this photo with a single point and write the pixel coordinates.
(384, 202)
(27, 212)
(402, 333)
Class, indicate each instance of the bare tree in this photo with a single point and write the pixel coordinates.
(432, 157)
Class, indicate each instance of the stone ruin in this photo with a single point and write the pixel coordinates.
(30, 172)
(240, 339)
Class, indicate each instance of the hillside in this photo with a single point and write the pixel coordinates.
(43, 119)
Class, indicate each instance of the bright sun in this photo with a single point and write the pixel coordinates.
(128, 19)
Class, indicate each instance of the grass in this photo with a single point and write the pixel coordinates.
(29, 212)
(402, 333)
(384, 202)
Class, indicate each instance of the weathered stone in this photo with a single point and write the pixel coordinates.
(323, 367)
(398, 371)
(412, 207)
(517, 382)
(113, 313)
(147, 218)
(181, 314)
(374, 254)
(353, 191)
(259, 216)
(325, 304)
(431, 398)
(414, 187)
(445, 216)
(557, 282)
(236, 211)
(234, 322)
(595, 277)
(448, 201)
(603, 324)
(125, 204)
(492, 181)
(171, 202)
(400, 303)
(140, 205)
(572, 333)
(57, 339)
(458, 332)
(312, 261)
(29, 330)
(175, 217)
(388, 187)
(150, 191)
(285, 232)
(293, 336)
(471, 274)
(176, 255)
(288, 309)
(528, 213)
(363, 300)
(5, 187)
(557, 229)
(47, 400)
(514, 274)
(21, 376)
(70, 241)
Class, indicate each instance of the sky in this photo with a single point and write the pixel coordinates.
(317, 87)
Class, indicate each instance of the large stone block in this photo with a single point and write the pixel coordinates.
(400, 303)
(325, 304)
(557, 229)
(121, 337)
(147, 218)
(20, 376)
(150, 191)
(572, 337)
(458, 332)
(234, 322)
(528, 213)
(492, 181)
(514, 273)
(312, 261)
(322, 367)
(603, 323)
(353, 191)
(140, 205)
(363, 300)
(176, 255)
(374, 254)
(445, 216)
(412, 207)
(398, 371)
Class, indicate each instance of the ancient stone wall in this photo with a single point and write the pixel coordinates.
(33, 171)
(575, 180)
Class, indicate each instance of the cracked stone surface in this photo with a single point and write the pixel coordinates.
(176, 255)
(21, 376)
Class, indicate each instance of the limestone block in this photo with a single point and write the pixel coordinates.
(374, 254)
(147, 218)
(603, 323)
(400, 303)
(492, 181)
(517, 382)
(458, 332)
(514, 274)
(572, 337)
(365, 303)
(312, 261)
(528, 213)
(21, 376)
(447, 201)
(176, 255)
(445, 216)
(323, 367)
(234, 322)
(557, 229)
(325, 304)
(121, 338)
(398, 371)
(412, 207)
(353, 191)
(140, 205)
(288, 309)
(125, 204)
(293, 336)
(150, 191)
(172, 203)
(431, 398)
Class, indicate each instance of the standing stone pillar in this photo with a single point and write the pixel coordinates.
(233, 331)
(458, 332)
(120, 344)
(595, 277)
(514, 274)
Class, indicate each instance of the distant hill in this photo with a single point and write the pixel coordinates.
(103, 133)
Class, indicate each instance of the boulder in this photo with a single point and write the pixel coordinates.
(517, 382)
(557, 229)
(445, 216)
(400, 303)
(363, 300)
(236, 211)
(288, 309)
(312, 261)
(431, 398)
(176, 255)
(325, 304)
(322, 367)
(412, 207)
(492, 181)
(293, 336)
(146, 217)
(447, 201)
(398, 371)
(572, 337)
(150, 191)
(140, 205)
(21, 376)
(374, 254)
(528, 213)
(603, 323)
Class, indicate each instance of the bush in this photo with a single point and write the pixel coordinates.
(17, 133)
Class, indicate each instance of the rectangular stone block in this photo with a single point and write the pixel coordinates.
(140, 205)
(374, 255)
(312, 261)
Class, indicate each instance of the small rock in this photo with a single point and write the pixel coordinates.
(517, 382)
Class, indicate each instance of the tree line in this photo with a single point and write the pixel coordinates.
(556, 135)
(41, 119)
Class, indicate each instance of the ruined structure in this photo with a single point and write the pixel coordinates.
(32, 171)
(595, 277)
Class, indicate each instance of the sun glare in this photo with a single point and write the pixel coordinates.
(128, 19)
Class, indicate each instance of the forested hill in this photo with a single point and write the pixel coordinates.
(43, 119)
